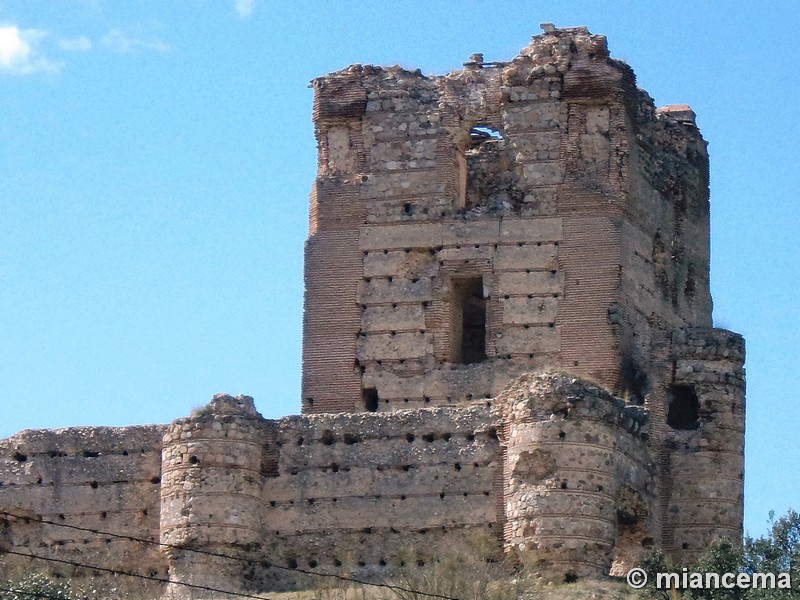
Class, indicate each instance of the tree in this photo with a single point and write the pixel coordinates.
(41, 586)
(778, 552)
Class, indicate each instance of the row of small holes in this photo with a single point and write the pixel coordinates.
(458, 247)
(403, 497)
(20, 457)
(329, 438)
(292, 563)
(335, 468)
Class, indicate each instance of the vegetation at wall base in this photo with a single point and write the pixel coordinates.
(777, 552)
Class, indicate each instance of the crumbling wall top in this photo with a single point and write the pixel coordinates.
(552, 393)
(225, 404)
(570, 52)
(74, 441)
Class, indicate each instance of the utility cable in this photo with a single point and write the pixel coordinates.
(392, 587)
(73, 563)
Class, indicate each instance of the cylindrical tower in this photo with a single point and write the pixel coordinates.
(705, 419)
(211, 494)
(572, 449)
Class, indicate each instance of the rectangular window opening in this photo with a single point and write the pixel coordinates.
(468, 321)
(369, 396)
(684, 407)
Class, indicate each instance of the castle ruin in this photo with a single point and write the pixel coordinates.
(507, 346)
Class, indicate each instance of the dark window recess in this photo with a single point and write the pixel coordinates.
(634, 382)
(691, 284)
(370, 398)
(469, 321)
(684, 407)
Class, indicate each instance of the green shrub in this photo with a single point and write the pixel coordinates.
(38, 585)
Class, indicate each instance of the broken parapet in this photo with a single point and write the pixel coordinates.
(576, 459)
(468, 227)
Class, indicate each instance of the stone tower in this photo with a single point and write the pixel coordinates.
(508, 348)
(516, 216)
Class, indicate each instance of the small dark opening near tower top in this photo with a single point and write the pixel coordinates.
(370, 398)
(484, 133)
(469, 321)
(684, 407)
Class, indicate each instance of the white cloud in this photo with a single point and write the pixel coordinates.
(245, 7)
(20, 53)
(78, 44)
(123, 42)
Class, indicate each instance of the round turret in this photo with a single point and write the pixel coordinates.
(211, 489)
(570, 464)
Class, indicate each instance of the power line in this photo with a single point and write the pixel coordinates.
(137, 575)
(392, 587)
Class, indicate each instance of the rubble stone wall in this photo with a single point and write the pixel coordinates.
(577, 463)
(706, 470)
(582, 210)
(371, 492)
(342, 493)
(507, 347)
(96, 478)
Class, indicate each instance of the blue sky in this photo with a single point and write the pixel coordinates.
(155, 160)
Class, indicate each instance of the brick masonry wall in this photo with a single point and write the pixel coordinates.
(586, 217)
(437, 207)
(548, 183)
(587, 202)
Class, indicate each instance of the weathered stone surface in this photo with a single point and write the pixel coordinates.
(507, 337)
